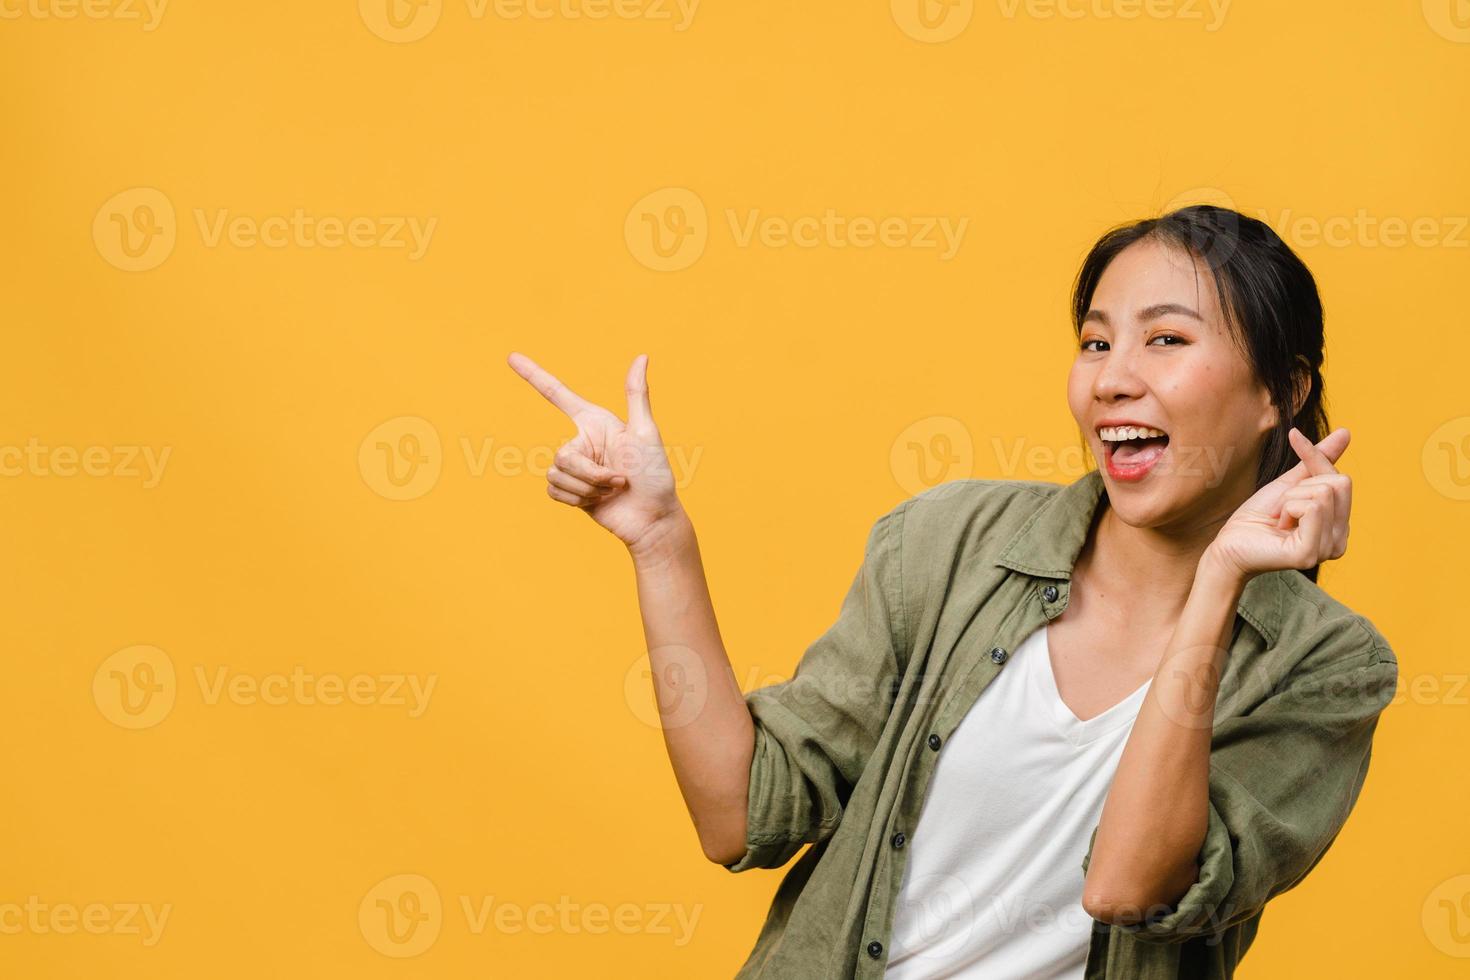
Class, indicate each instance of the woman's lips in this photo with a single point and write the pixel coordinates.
(1137, 465)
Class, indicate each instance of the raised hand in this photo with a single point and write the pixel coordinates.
(1299, 519)
(617, 472)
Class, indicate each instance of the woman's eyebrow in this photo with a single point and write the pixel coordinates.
(1148, 313)
(1163, 309)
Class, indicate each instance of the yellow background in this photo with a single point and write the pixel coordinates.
(793, 380)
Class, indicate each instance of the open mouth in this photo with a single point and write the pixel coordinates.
(1132, 450)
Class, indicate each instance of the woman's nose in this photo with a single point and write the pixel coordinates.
(1118, 377)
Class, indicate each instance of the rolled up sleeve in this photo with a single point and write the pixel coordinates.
(815, 732)
(1283, 778)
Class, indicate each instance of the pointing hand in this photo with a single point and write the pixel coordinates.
(617, 472)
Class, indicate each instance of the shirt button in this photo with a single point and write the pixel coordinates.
(898, 839)
(934, 742)
(1049, 593)
(998, 655)
(875, 949)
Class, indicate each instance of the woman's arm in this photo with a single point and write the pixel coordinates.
(618, 474)
(1157, 811)
(1156, 815)
(706, 723)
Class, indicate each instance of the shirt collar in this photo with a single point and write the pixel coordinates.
(1048, 543)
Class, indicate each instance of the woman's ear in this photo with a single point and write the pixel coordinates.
(1270, 414)
(1301, 384)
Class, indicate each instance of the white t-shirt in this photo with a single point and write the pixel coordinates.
(992, 887)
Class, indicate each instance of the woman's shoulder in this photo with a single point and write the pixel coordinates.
(1333, 634)
(969, 514)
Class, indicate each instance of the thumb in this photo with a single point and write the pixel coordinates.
(639, 411)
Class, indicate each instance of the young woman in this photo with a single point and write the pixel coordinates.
(1080, 731)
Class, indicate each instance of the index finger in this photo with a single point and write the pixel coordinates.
(548, 384)
(1316, 460)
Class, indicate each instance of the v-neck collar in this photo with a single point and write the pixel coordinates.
(1076, 730)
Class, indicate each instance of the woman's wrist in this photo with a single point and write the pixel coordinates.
(1216, 569)
(663, 539)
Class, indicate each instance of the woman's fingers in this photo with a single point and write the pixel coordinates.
(557, 493)
(548, 384)
(579, 465)
(573, 478)
(639, 412)
(1267, 500)
(1313, 522)
(1342, 507)
(1319, 459)
(1331, 517)
(1303, 494)
(1334, 492)
(1344, 501)
(1320, 516)
(1314, 495)
(573, 485)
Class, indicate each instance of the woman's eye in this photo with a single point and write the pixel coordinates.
(1087, 344)
(1169, 336)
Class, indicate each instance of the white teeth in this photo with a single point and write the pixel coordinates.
(1122, 433)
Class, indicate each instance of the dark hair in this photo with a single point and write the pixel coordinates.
(1269, 300)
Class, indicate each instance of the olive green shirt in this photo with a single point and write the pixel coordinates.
(952, 580)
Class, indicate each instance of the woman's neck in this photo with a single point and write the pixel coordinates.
(1147, 569)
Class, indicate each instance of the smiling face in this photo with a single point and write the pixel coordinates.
(1155, 352)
